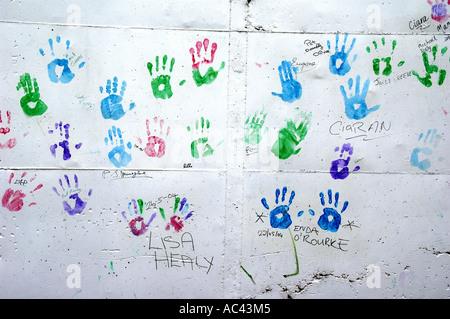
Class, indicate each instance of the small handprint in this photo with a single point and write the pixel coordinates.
(433, 140)
(290, 137)
(118, 155)
(203, 56)
(111, 106)
(355, 105)
(161, 84)
(339, 168)
(279, 216)
(64, 144)
(6, 130)
(439, 10)
(339, 60)
(137, 224)
(31, 102)
(330, 219)
(66, 75)
(291, 88)
(71, 193)
(200, 147)
(180, 214)
(13, 200)
(387, 60)
(253, 127)
(156, 146)
(430, 69)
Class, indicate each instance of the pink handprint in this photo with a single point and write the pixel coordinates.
(6, 130)
(156, 146)
(13, 199)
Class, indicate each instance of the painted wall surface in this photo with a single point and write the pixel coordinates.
(246, 149)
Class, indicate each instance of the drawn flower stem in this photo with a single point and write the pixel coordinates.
(247, 273)
(296, 257)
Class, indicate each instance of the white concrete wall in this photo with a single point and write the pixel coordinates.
(392, 240)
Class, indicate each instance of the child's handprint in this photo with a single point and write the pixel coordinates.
(253, 134)
(339, 168)
(201, 56)
(64, 144)
(13, 199)
(71, 193)
(200, 146)
(377, 61)
(330, 219)
(355, 105)
(180, 214)
(279, 216)
(425, 164)
(6, 130)
(65, 75)
(111, 106)
(156, 146)
(439, 10)
(430, 69)
(291, 88)
(289, 137)
(161, 84)
(118, 155)
(137, 224)
(339, 60)
(31, 102)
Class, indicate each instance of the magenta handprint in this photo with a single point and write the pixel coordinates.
(13, 200)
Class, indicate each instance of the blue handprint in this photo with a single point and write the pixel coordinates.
(291, 88)
(66, 75)
(111, 105)
(279, 217)
(342, 56)
(330, 219)
(425, 164)
(118, 156)
(355, 105)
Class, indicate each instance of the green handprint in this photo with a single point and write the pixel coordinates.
(377, 61)
(253, 128)
(161, 84)
(426, 80)
(289, 137)
(31, 103)
(202, 142)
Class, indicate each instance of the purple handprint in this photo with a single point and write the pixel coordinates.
(64, 144)
(339, 168)
(72, 194)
